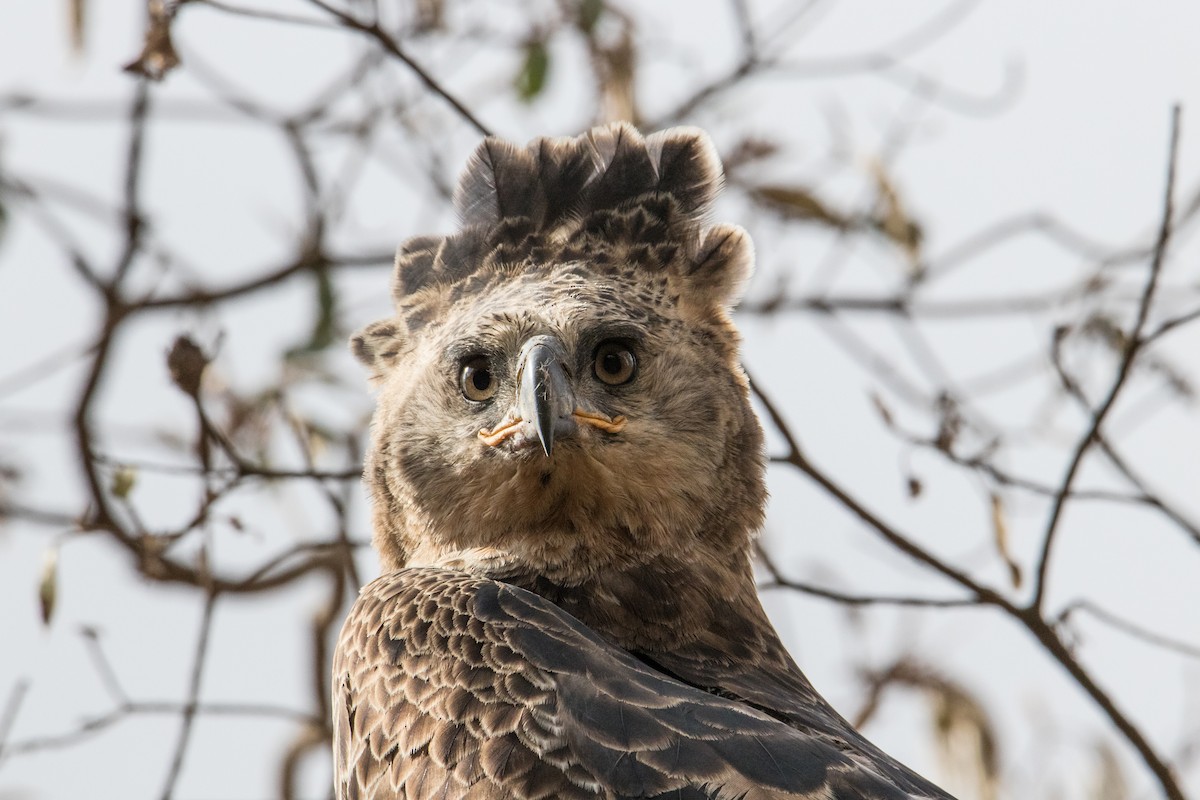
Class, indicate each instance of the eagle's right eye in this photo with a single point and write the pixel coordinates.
(477, 381)
(614, 363)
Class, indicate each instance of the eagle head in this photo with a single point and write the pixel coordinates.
(559, 389)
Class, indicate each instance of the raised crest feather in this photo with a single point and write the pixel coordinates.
(501, 180)
(640, 199)
(607, 167)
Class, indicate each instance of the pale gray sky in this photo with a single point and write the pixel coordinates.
(1083, 137)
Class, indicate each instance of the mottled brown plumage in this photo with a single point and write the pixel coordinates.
(566, 476)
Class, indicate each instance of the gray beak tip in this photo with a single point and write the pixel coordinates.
(545, 393)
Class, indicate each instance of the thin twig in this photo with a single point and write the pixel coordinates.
(1134, 346)
(135, 157)
(778, 581)
(904, 544)
(1030, 616)
(389, 44)
(1124, 625)
(8, 718)
(188, 717)
(1110, 452)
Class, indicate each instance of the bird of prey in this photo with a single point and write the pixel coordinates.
(566, 477)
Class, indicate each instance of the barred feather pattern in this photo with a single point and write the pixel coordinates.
(561, 199)
(453, 686)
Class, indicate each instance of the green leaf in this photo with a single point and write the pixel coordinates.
(122, 481)
(324, 330)
(532, 78)
(589, 14)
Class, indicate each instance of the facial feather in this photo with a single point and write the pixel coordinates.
(601, 496)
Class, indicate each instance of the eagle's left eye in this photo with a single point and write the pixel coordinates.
(477, 381)
(615, 363)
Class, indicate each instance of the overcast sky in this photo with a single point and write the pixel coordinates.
(1080, 132)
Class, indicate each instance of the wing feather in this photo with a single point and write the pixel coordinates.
(448, 685)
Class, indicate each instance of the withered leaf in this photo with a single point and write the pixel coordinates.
(797, 202)
(48, 584)
(1108, 782)
(950, 423)
(966, 738)
(1000, 536)
(885, 413)
(158, 56)
(430, 16)
(186, 363)
(895, 222)
(615, 68)
(78, 25)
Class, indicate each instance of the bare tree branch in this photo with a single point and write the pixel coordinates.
(1135, 343)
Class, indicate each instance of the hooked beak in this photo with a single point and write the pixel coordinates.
(544, 394)
(545, 407)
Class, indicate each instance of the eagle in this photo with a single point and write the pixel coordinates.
(566, 478)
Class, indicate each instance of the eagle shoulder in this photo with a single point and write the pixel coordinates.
(449, 685)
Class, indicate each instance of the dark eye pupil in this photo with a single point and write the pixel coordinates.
(476, 380)
(614, 364)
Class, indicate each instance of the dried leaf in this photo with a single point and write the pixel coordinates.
(895, 222)
(48, 584)
(966, 739)
(915, 487)
(78, 25)
(963, 731)
(186, 363)
(797, 202)
(615, 68)
(1097, 283)
(532, 78)
(1108, 331)
(158, 56)
(122, 481)
(1000, 536)
(1108, 782)
(885, 413)
(950, 423)
(747, 151)
(429, 16)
